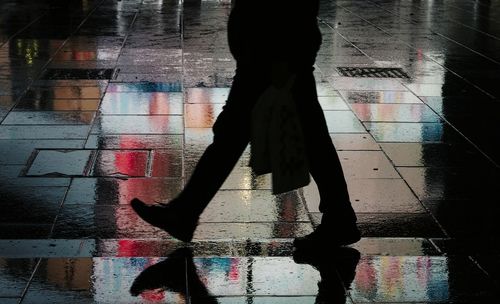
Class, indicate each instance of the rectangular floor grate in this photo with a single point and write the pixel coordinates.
(372, 72)
(90, 74)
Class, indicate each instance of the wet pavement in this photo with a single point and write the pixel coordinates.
(102, 101)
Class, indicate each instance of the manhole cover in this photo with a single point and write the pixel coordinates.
(58, 74)
(372, 72)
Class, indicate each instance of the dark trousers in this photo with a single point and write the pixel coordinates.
(232, 134)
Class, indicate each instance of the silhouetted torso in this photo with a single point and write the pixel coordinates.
(262, 31)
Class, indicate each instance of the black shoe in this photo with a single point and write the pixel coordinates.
(178, 224)
(329, 235)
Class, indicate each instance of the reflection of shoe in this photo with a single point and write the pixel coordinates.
(178, 224)
(337, 269)
(178, 274)
(326, 235)
(169, 274)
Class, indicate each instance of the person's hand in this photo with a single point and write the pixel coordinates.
(280, 73)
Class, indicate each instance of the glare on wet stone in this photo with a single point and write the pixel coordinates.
(105, 101)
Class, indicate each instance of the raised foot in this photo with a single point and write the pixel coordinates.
(178, 224)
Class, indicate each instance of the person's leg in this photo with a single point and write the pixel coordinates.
(324, 163)
(231, 136)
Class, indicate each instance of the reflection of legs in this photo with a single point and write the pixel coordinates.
(231, 135)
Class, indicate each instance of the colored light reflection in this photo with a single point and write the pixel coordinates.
(402, 278)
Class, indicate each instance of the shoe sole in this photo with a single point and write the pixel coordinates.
(139, 207)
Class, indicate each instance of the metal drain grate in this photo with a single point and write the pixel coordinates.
(372, 72)
(89, 74)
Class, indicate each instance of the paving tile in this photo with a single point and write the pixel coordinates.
(329, 103)
(14, 276)
(372, 195)
(160, 247)
(144, 87)
(366, 164)
(398, 225)
(380, 97)
(10, 171)
(59, 280)
(34, 182)
(102, 221)
(472, 246)
(206, 95)
(167, 163)
(196, 141)
(454, 183)
(383, 195)
(366, 84)
(76, 92)
(44, 132)
(395, 113)
(421, 89)
(243, 231)
(60, 163)
(18, 151)
(243, 178)
(346, 141)
(49, 118)
(10, 300)
(142, 103)
(395, 247)
(133, 124)
(343, 122)
(412, 132)
(113, 191)
(460, 220)
(326, 89)
(142, 69)
(77, 105)
(255, 206)
(443, 280)
(70, 83)
(25, 231)
(30, 205)
(131, 141)
(120, 221)
(462, 106)
(201, 115)
(268, 277)
(46, 248)
(433, 155)
(7, 102)
(121, 163)
(14, 153)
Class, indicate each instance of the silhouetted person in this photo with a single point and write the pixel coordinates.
(173, 274)
(271, 40)
(337, 270)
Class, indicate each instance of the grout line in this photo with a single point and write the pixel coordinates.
(35, 269)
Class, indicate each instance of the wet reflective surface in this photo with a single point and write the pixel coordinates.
(420, 155)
